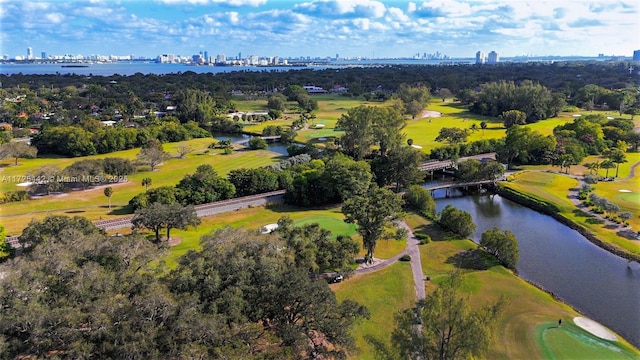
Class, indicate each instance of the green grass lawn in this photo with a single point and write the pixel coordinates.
(554, 188)
(335, 224)
(93, 204)
(572, 342)
(424, 131)
(384, 293)
(529, 306)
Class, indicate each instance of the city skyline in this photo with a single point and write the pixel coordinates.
(319, 28)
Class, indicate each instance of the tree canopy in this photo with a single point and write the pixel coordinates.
(448, 329)
(242, 296)
(372, 212)
(503, 245)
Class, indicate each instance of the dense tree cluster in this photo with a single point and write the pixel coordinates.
(534, 100)
(466, 149)
(316, 249)
(242, 296)
(92, 138)
(525, 146)
(414, 99)
(365, 126)
(476, 170)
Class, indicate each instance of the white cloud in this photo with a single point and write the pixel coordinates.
(444, 8)
(55, 18)
(234, 3)
(355, 8)
(397, 14)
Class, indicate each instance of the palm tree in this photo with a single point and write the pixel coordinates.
(108, 191)
(146, 182)
(593, 167)
(607, 164)
(618, 157)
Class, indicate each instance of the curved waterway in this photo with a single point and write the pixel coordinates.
(562, 261)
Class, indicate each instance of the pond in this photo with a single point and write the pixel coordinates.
(276, 147)
(562, 261)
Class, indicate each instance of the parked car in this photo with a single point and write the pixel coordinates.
(336, 279)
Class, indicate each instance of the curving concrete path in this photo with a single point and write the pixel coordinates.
(416, 265)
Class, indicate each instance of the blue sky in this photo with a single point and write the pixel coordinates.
(351, 28)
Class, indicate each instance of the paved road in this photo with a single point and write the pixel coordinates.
(202, 211)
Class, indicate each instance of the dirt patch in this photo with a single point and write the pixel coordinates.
(174, 240)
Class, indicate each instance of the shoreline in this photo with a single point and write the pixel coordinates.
(520, 198)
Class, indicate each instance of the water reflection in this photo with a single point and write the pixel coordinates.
(276, 147)
(562, 261)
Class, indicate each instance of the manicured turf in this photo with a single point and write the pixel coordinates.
(554, 188)
(336, 225)
(384, 293)
(529, 306)
(571, 342)
(93, 204)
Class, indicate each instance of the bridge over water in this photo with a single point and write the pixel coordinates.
(246, 141)
(433, 165)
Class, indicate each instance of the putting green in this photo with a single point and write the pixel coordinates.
(335, 225)
(571, 342)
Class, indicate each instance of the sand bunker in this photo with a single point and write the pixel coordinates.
(624, 191)
(268, 228)
(595, 328)
(416, 146)
(430, 114)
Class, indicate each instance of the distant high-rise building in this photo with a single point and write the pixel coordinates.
(493, 58)
(480, 57)
(221, 59)
(239, 56)
(206, 57)
(29, 53)
(636, 55)
(43, 55)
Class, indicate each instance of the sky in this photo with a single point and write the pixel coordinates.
(320, 28)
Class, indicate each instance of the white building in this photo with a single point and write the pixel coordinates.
(480, 57)
(493, 58)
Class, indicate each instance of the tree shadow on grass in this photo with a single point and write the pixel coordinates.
(580, 213)
(74, 212)
(475, 259)
(435, 232)
(594, 221)
(123, 210)
(628, 234)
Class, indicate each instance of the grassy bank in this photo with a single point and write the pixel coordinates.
(529, 306)
(92, 202)
(547, 192)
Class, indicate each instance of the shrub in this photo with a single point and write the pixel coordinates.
(143, 168)
(572, 109)
(256, 143)
(424, 238)
(13, 196)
